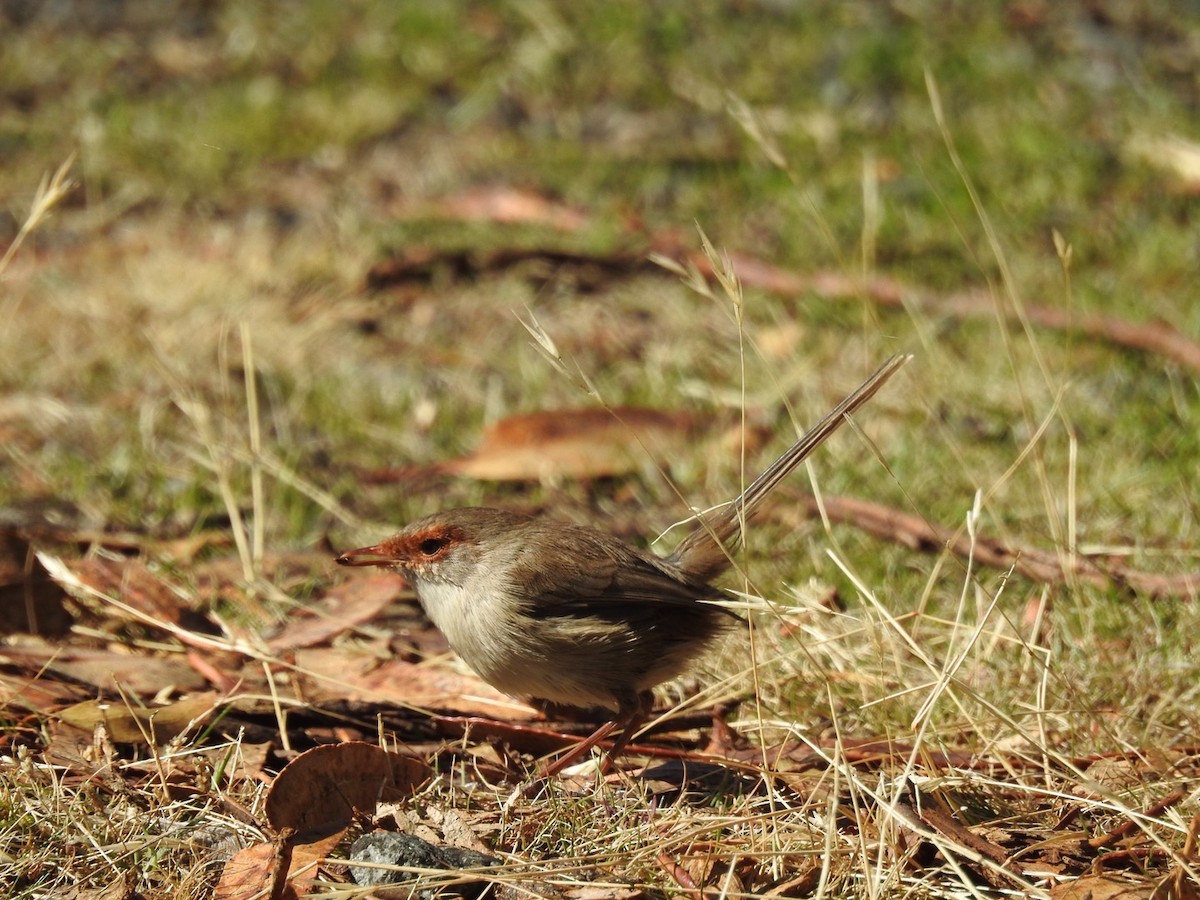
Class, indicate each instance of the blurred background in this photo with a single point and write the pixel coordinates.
(376, 191)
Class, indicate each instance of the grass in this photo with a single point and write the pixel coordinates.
(238, 179)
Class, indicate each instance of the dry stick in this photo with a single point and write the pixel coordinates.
(1129, 826)
(679, 875)
(1189, 845)
(946, 825)
(1156, 337)
(891, 524)
(1178, 879)
(284, 845)
(1152, 337)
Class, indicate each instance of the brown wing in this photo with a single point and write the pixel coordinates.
(608, 579)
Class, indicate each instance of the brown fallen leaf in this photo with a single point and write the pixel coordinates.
(801, 885)
(456, 828)
(241, 762)
(36, 693)
(143, 675)
(347, 674)
(343, 607)
(507, 204)
(181, 550)
(937, 813)
(223, 577)
(680, 875)
(578, 443)
(261, 872)
(1102, 887)
(311, 804)
(605, 892)
(128, 724)
(129, 589)
(133, 582)
(329, 784)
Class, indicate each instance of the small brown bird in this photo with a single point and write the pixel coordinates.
(570, 614)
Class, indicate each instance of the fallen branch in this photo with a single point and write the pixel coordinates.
(1129, 826)
(1037, 565)
(420, 266)
(1149, 337)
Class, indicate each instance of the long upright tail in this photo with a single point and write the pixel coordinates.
(708, 550)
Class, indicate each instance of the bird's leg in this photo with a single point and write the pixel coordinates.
(579, 750)
(628, 728)
(629, 717)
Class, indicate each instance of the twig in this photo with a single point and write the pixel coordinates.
(679, 875)
(1129, 826)
(1037, 565)
(418, 265)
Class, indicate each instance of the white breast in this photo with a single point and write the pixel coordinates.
(510, 656)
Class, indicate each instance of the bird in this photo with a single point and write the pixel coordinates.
(571, 615)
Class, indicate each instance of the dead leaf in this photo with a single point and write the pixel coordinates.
(223, 578)
(328, 784)
(456, 828)
(797, 886)
(1112, 775)
(36, 693)
(241, 761)
(503, 203)
(1101, 887)
(411, 684)
(142, 675)
(121, 888)
(318, 793)
(137, 725)
(309, 850)
(351, 603)
(133, 582)
(259, 872)
(580, 443)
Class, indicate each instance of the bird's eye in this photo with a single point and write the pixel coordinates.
(430, 546)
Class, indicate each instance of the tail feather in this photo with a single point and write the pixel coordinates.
(708, 551)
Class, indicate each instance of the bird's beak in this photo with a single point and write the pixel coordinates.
(366, 556)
